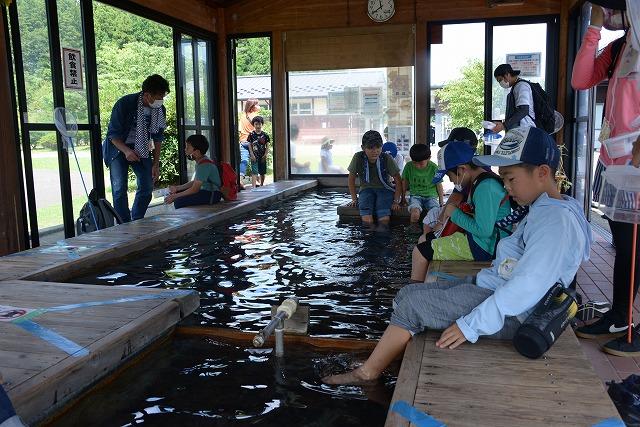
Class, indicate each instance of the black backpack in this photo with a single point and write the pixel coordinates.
(105, 215)
(542, 106)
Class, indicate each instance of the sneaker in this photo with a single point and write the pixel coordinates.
(620, 346)
(604, 327)
(592, 309)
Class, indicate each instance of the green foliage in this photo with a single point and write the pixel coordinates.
(463, 98)
(253, 56)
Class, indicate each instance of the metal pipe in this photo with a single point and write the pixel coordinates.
(279, 334)
(261, 337)
(284, 311)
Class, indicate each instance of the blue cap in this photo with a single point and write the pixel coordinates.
(452, 155)
(524, 145)
(390, 148)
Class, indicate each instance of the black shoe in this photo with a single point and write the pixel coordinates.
(620, 346)
(604, 327)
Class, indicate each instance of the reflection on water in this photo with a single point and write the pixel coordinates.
(347, 273)
(201, 382)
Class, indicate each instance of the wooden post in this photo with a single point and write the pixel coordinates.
(421, 90)
(226, 139)
(11, 214)
(563, 47)
(279, 101)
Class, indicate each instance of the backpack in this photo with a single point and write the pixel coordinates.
(229, 178)
(105, 215)
(546, 117)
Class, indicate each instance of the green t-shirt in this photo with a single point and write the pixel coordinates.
(207, 173)
(356, 167)
(420, 179)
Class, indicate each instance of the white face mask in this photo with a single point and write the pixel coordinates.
(504, 84)
(458, 186)
(157, 103)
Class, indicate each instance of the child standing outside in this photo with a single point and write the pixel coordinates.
(258, 150)
(547, 248)
(377, 196)
(417, 177)
(489, 201)
(204, 189)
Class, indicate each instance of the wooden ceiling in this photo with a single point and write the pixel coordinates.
(223, 3)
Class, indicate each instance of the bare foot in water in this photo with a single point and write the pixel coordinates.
(356, 377)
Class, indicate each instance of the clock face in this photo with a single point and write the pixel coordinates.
(381, 10)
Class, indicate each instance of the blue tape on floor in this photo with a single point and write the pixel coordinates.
(444, 275)
(166, 294)
(53, 338)
(610, 422)
(417, 417)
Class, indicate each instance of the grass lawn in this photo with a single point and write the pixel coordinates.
(48, 159)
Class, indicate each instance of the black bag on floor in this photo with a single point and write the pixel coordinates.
(105, 215)
(626, 397)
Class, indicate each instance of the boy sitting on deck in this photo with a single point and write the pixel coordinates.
(377, 196)
(417, 177)
(546, 248)
(478, 236)
(204, 189)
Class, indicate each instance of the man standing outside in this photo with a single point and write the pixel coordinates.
(134, 137)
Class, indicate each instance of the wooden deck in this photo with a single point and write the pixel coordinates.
(490, 384)
(76, 335)
(69, 336)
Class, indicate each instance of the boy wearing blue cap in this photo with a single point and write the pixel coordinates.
(489, 202)
(377, 194)
(546, 248)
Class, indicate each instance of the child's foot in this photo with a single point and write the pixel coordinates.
(356, 377)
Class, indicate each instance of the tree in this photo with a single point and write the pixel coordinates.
(253, 56)
(463, 98)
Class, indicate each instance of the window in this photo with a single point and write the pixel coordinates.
(330, 110)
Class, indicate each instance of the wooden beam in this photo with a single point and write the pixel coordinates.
(226, 138)
(282, 15)
(279, 101)
(11, 213)
(563, 41)
(196, 12)
(421, 90)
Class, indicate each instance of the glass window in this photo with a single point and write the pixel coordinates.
(46, 177)
(32, 17)
(457, 80)
(341, 105)
(523, 46)
(70, 23)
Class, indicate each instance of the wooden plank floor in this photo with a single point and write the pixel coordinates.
(62, 261)
(489, 384)
(79, 334)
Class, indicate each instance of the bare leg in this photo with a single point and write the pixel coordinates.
(415, 215)
(367, 219)
(393, 342)
(254, 181)
(419, 266)
(384, 220)
(261, 180)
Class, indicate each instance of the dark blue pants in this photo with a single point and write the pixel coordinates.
(118, 170)
(202, 197)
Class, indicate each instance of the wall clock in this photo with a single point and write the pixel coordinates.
(380, 10)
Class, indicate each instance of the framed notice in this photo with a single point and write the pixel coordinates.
(529, 64)
(402, 136)
(72, 64)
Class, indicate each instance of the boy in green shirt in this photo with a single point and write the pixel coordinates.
(204, 189)
(417, 177)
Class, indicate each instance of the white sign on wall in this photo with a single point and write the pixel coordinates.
(72, 63)
(529, 64)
